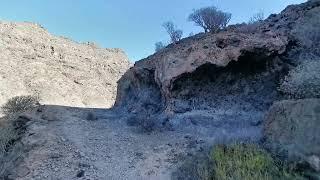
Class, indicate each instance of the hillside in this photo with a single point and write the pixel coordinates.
(241, 103)
(58, 70)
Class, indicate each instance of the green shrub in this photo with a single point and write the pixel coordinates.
(247, 162)
(19, 104)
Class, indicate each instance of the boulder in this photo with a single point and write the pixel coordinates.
(292, 130)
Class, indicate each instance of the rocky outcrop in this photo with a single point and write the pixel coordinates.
(233, 70)
(292, 130)
(59, 70)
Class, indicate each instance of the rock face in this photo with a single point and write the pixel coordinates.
(202, 66)
(292, 129)
(59, 70)
(238, 69)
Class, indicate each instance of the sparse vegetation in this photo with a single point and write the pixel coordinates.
(19, 104)
(303, 81)
(248, 28)
(247, 161)
(11, 128)
(159, 46)
(210, 19)
(236, 161)
(258, 17)
(253, 24)
(174, 33)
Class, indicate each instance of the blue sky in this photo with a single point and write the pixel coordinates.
(132, 25)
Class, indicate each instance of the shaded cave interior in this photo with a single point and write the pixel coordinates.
(249, 84)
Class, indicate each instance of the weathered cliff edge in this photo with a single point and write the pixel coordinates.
(240, 67)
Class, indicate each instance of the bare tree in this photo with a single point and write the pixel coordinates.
(174, 33)
(158, 46)
(210, 18)
(258, 17)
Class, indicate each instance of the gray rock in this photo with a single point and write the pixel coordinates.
(292, 130)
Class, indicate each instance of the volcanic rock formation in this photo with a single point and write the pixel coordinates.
(238, 70)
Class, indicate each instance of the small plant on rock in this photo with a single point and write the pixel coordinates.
(174, 33)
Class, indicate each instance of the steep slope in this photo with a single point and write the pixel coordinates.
(59, 70)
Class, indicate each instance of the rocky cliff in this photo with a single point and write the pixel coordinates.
(230, 78)
(58, 70)
(239, 68)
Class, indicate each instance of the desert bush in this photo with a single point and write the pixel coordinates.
(258, 17)
(248, 27)
(174, 33)
(158, 46)
(210, 18)
(303, 81)
(19, 104)
(253, 24)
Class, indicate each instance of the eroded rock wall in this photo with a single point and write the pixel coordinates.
(59, 70)
(226, 79)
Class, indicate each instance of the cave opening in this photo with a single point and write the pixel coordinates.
(249, 84)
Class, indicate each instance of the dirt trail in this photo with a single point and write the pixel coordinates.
(71, 147)
(102, 149)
